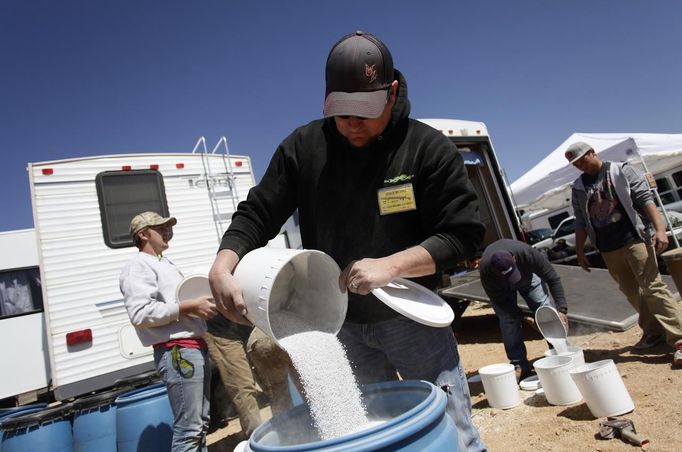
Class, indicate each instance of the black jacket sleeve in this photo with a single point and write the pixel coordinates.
(268, 205)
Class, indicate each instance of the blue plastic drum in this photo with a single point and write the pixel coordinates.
(19, 410)
(6, 413)
(144, 420)
(414, 419)
(41, 430)
(94, 422)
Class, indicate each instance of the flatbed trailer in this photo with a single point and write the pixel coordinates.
(593, 297)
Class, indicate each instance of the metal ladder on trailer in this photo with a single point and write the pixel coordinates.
(220, 219)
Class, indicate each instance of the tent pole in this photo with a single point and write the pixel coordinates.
(658, 197)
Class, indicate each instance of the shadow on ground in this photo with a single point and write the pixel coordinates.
(226, 444)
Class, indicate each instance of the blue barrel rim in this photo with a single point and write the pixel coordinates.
(19, 413)
(141, 393)
(53, 413)
(135, 381)
(14, 411)
(429, 409)
(98, 400)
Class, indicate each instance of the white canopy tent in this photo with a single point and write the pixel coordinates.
(548, 184)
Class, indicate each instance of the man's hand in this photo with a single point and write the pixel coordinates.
(660, 241)
(582, 260)
(364, 275)
(200, 307)
(226, 289)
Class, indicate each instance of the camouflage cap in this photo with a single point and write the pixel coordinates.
(147, 219)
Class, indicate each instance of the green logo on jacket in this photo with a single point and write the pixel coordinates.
(401, 178)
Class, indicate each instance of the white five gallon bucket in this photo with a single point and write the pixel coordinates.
(500, 386)
(281, 283)
(603, 389)
(576, 353)
(555, 378)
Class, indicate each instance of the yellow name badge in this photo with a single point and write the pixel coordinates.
(399, 198)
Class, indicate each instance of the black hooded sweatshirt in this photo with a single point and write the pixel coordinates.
(335, 187)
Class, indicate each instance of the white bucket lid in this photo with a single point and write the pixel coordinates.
(531, 383)
(193, 286)
(416, 302)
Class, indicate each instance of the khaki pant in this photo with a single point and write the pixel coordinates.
(229, 356)
(635, 269)
(272, 366)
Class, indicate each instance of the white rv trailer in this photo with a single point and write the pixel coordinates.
(81, 209)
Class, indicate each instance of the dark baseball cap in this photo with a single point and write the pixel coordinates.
(358, 75)
(505, 267)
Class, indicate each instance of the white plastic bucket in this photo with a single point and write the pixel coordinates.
(555, 378)
(286, 282)
(500, 386)
(603, 389)
(576, 353)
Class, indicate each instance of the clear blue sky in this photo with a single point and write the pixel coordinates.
(91, 77)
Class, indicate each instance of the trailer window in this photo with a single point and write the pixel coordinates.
(124, 194)
(20, 292)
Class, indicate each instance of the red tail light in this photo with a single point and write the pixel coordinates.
(79, 337)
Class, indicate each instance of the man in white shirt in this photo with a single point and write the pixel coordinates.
(148, 282)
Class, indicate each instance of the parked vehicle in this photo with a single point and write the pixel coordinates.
(561, 244)
(537, 235)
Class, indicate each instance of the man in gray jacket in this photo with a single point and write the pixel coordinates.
(615, 208)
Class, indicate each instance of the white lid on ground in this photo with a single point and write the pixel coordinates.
(531, 383)
(416, 302)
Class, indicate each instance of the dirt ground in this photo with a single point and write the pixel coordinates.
(534, 425)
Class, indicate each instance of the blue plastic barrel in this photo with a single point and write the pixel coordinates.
(144, 420)
(94, 422)
(40, 430)
(414, 414)
(6, 413)
(18, 410)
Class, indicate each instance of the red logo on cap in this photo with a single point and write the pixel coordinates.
(370, 72)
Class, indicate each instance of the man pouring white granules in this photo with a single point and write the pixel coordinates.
(386, 197)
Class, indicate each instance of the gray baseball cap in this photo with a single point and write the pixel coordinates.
(358, 74)
(576, 151)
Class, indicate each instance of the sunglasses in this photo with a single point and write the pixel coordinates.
(184, 367)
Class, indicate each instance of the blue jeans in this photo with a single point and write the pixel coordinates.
(189, 397)
(510, 316)
(418, 352)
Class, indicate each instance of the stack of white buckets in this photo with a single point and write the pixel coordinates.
(564, 376)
